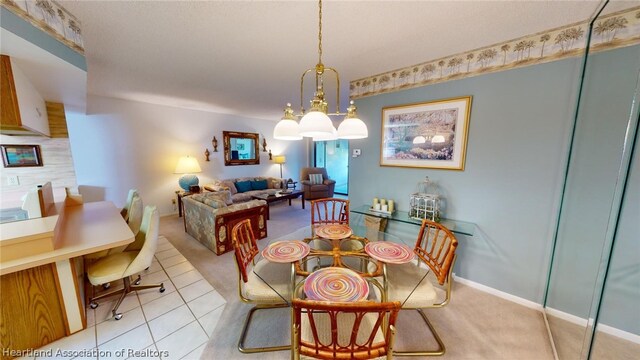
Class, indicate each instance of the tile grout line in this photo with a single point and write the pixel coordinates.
(187, 354)
(179, 294)
(144, 315)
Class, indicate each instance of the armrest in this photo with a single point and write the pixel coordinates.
(215, 187)
(328, 182)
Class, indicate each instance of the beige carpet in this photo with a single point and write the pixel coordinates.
(475, 325)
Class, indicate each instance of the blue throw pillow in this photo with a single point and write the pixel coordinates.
(259, 185)
(243, 186)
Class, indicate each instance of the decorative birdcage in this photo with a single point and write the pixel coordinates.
(425, 202)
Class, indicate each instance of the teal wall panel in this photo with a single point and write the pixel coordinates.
(516, 151)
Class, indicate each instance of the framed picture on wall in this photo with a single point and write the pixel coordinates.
(21, 155)
(426, 135)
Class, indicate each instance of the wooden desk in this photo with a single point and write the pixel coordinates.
(42, 296)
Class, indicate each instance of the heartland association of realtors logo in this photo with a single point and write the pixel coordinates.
(85, 353)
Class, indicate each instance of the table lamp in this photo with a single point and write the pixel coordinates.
(280, 159)
(187, 165)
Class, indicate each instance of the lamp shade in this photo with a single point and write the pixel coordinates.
(287, 129)
(280, 159)
(316, 123)
(352, 128)
(187, 165)
(327, 137)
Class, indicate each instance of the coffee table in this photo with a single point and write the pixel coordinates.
(292, 194)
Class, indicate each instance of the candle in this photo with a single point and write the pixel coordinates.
(375, 201)
(385, 208)
(383, 202)
(376, 206)
(391, 205)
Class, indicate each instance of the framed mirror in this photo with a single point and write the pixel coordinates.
(241, 148)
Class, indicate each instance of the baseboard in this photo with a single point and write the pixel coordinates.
(619, 333)
(576, 320)
(501, 294)
(609, 330)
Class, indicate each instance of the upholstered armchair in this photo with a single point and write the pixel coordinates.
(316, 191)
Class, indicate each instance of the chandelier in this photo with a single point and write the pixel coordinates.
(316, 122)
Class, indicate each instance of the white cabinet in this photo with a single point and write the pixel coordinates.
(29, 112)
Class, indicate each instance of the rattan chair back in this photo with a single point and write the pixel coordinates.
(329, 211)
(436, 246)
(244, 245)
(346, 337)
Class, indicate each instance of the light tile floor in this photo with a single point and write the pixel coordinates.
(175, 324)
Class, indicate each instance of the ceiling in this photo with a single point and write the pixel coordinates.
(246, 57)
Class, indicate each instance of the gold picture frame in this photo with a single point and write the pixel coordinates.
(241, 148)
(430, 135)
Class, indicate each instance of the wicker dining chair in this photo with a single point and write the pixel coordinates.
(329, 211)
(324, 212)
(332, 330)
(436, 248)
(267, 291)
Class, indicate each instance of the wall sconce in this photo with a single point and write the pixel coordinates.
(207, 153)
(214, 142)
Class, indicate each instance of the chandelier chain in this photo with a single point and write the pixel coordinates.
(320, 32)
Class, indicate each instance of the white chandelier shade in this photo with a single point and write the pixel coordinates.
(287, 130)
(327, 137)
(352, 128)
(316, 123)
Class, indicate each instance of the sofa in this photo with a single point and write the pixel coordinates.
(210, 216)
(316, 191)
(243, 188)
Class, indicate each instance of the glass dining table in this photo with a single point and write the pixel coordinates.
(346, 267)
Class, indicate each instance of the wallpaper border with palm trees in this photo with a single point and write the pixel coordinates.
(616, 30)
(50, 17)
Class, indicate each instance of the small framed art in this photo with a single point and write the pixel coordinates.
(21, 155)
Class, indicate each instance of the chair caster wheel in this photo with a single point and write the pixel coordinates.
(162, 289)
(138, 281)
(117, 316)
(93, 305)
(106, 286)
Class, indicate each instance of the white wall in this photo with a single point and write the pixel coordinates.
(123, 144)
(57, 167)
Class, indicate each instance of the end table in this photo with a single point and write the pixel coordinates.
(292, 185)
(180, 194)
